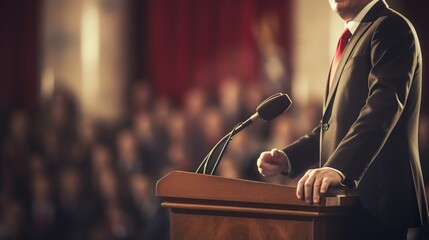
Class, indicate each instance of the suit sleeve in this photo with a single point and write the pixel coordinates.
(304, 152)
(394, 57)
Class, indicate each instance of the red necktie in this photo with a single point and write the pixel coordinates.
(342, 43)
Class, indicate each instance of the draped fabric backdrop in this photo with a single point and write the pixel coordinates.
(19, 54)
(177, 44)
(201, 42)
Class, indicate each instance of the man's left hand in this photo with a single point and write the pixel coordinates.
(315, 182)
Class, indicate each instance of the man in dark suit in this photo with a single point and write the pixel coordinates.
(367, 139)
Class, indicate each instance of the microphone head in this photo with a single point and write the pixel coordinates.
(273, 106)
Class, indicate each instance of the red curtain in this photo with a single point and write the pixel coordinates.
(19, 29)
(201, 42)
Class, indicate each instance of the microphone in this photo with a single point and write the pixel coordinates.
(269, 109)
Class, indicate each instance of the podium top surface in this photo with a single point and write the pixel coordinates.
(196, 187)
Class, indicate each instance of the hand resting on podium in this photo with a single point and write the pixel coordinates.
(310, 186)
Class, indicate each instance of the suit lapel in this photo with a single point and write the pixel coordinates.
(344, 58)
(363, 27)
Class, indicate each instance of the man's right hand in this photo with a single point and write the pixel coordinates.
(272, 162)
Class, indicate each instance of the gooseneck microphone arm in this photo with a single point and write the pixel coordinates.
(234, 131)
(208, 156)
(224, 143)
(267, 110)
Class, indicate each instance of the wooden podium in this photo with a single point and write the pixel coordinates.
(212, 207)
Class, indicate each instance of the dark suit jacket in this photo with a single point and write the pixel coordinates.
(369, 128)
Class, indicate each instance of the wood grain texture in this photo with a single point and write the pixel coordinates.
(238, 209)
(211, 207)
(208, 226)
(195, 186)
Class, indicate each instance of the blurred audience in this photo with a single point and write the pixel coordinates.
(67, 176)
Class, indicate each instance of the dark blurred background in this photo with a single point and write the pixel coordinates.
(100, 98)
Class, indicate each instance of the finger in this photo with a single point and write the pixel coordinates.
(258, 163)
(275, 154)
(316, 189)
(278, 156)
(308, 187)
(325, 185)
(262, 170)
(300, 185)
(267, 169)
(262, 158)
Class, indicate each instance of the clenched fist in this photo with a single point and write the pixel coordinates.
(272, 162)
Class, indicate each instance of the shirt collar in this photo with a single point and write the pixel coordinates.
(353, 24)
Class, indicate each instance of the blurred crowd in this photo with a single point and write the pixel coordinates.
(68, 176)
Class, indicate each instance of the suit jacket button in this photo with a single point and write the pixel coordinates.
(325, 126)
